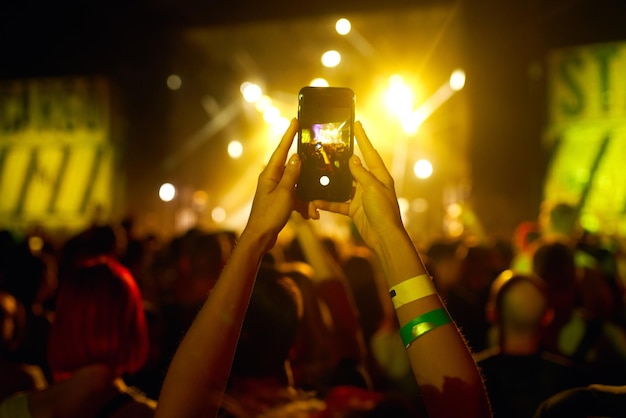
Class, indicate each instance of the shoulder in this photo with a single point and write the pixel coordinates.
(594, 400)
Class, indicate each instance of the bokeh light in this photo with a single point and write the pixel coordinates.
(167, 192)
(251, 92)
(199, 199)
(319, 82)
(343, 26)
(35, 244)
(457, 80)
(423, 169)
(271, 115)
(235, 149)
(174, 82)
(218, 214)
(331, 59)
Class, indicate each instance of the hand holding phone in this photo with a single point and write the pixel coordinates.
(325, 143)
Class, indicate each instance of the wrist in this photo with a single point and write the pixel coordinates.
(398, 256)
(260, 240)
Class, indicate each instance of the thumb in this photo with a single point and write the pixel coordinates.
(291, 173)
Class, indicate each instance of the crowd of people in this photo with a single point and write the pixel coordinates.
(239, 324)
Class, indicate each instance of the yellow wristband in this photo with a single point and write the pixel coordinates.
(412, 289)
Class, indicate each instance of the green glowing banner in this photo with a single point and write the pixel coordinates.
(587, 133)
(56, 157)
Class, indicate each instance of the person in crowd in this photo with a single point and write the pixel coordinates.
(32, 279)
(584, 402)
(519, 374)
(466, 300)
(388, 364)
(99, 335)
(15, 376)
(524, 240)
(443, 260)
(330, 286)
(443, 366)
(582, 334)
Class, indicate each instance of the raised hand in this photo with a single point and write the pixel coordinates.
(275, 200)
(374, 207)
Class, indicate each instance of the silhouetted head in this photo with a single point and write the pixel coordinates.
(519, 302)
(99, 320)
(270, 326)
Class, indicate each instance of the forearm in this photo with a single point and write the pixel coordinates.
(331, 286)
(198, 373)
(441, 361)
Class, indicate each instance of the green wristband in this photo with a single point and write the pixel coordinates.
(419, 326)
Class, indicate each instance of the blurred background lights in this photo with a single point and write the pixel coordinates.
(271, 115)
(319, 82)
(455, 228)
(457, 80)
(199, 199)
(343, 26)
(186, 219)
(399, 97)
(174, 82)
(454, 210)
(235, 149)
(419, 205)
(331, 59)
(263, 103)
(35, 244)
(251, 92)
(423, 169)
(167, 192)
(218, 214)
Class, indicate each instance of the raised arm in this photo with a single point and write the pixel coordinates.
(197, 376)
(441, 361)
(332, 288)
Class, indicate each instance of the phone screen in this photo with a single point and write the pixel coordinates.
(325, 143)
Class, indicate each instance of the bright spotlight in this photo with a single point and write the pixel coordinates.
(235, 149)
(399, 97)
(423, 169)
(251, 92)
(319, 82)
(167, 192)
(331, 59)
(343, 26)
(457, 80)
(174, 82)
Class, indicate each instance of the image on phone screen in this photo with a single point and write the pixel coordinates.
(325, 146)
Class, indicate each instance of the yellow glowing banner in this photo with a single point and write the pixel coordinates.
(56, 158)
(587, 84)
(587, 133)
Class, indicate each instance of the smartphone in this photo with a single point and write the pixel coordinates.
(325, 143)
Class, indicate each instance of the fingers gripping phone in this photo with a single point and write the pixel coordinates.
(325, 143)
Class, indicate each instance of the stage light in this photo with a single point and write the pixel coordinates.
(167, 192)
(343, 26)
(331, 59)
